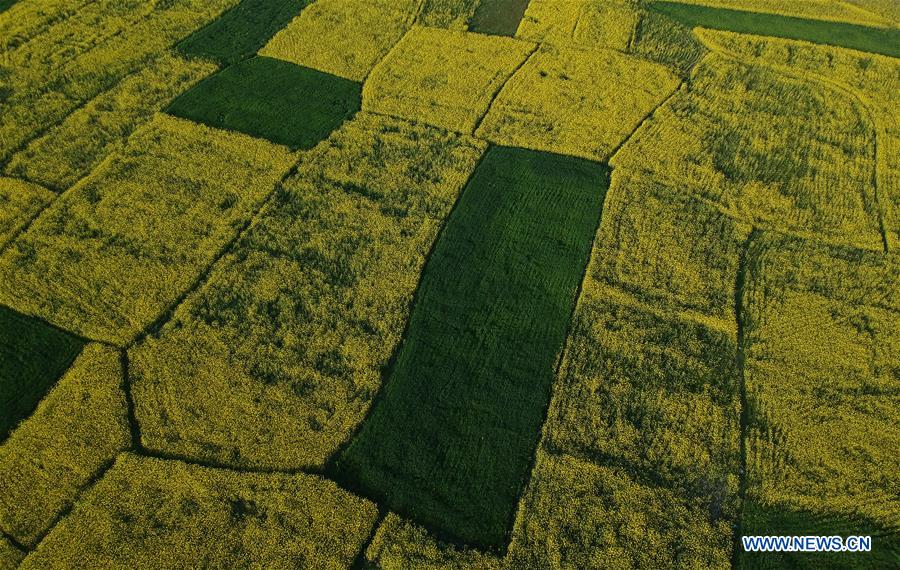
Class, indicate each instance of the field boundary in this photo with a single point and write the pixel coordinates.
(499, 89)
(649, 116)
(330, 467)
(740, 298)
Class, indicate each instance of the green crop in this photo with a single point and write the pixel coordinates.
(452, 437)
(273, 99)
(239, 32)
(498, 17)
(872, 39)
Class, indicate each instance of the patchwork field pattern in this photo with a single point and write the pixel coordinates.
(297, 323)
(34, 356)
(43, 84)
(241, 31)
(446, 442)
(326, 284)
(778, 151)
(70, 150)
(114, 252)
(863, 12)
(865, 38)
(580, 23)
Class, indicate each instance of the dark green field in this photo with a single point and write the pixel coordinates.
(4, 4)
(452, 438)
(273, 99)
(875, 40)
(498, 17)
(241, 31)
(32, 358)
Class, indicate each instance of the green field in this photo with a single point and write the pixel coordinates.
(876, 40)
(273, 99)
(241, 31)
(33, 356)
(470, 385)
(498, 17)
(448, 284)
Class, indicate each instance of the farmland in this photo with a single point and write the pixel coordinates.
(494, 284)
(485, 343)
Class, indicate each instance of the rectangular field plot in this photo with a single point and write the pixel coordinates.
(864, 12)
(863, 75)
(273, 99)
(78, 428)
(769, 149)
(451, 439)
(580, 23)
(343, 37)
(242, 30)
(41, 90)
(498, 17)
(32, 358)
(276, 359)
(581, 103)
(109, 257)
(442, 77)
(885, 41)
(822, 392)
(147, 512)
